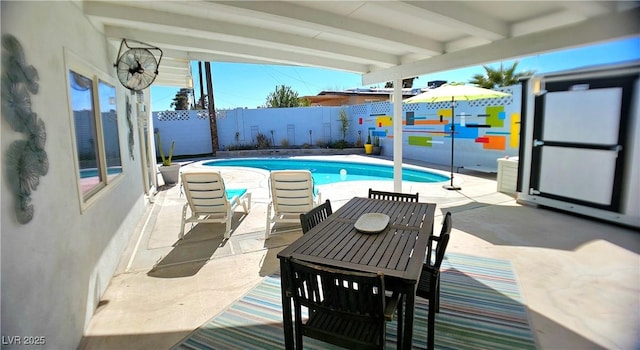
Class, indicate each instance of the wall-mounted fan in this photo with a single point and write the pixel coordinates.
(137, 67)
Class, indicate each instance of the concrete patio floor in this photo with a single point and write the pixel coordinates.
(580, 278)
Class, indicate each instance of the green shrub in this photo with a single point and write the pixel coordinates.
(344, 123)
(341, 144)
(241, 147)
(263, 141)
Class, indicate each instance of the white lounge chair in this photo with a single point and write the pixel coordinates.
(210, 201)
(292, 193)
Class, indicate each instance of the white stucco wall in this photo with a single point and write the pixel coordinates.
(292, 124)
(189, 129)
(192, 135)
(56, 267)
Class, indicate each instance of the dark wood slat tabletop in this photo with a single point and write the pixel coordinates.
(336, 242)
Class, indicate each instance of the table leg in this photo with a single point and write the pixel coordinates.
(400, 321)
(409, 312)
(287, 324)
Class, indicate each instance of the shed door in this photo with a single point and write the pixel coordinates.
(579, 141)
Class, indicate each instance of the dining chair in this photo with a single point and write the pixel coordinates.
(315, 216)
(429, 283)
(345, 308)
(393, 196)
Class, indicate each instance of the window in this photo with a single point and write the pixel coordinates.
(95, 123)
(107, 94)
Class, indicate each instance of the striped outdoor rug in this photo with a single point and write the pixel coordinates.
(480, 308)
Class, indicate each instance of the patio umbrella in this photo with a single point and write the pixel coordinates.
(453, 93)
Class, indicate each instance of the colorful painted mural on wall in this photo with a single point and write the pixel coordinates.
(477, 127)
(492, 126)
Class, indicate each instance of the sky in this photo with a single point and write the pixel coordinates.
(237, 85)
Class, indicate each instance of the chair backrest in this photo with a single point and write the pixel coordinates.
(393, 196)
(205, 192)
(351, 294)
(291, 191)
(315, 216)
(442, 242)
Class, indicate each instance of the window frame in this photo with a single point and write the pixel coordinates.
(106, 182)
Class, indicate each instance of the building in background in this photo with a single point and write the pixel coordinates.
(357, 96)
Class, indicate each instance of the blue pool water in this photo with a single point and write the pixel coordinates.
(93, 172)
(326, 172)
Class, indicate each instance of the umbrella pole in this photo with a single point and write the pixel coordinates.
(453, 131)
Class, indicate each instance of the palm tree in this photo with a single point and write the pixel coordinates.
(181, 100)
(499, 77)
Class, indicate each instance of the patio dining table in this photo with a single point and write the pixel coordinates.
(398, 251)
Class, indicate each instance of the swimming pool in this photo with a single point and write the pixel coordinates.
(326, 172)
(93, 172)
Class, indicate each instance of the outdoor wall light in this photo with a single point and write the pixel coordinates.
(537, 86)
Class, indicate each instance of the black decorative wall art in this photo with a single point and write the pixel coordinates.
(26, 159)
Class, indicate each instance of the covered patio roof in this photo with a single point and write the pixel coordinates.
(382, 40)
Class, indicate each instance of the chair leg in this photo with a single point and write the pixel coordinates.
(431, 324)
(227, 232)
(247, 208)
(268, 230)
(299, 345)
(297, 327)
(243, 201)
(184, 217)
(437, 296)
